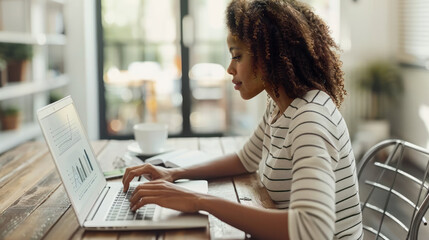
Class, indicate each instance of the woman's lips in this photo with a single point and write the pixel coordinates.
(237, 84)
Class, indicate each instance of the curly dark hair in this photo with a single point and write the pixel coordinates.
(291, 45)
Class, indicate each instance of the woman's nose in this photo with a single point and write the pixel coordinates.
(231, 69)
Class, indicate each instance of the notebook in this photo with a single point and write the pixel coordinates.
(99, 204)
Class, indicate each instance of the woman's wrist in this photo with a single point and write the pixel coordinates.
(202, 202)
(177, 173)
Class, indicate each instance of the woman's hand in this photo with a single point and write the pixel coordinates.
(165, 194)
(152, 173)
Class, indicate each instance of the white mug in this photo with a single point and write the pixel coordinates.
(151, 137)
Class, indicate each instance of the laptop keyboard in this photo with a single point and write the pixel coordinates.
(120, 209)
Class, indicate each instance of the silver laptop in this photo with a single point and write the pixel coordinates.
(99, 204)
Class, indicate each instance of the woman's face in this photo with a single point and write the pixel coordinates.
(244, 78)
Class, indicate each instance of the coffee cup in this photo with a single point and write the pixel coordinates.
(151, 137)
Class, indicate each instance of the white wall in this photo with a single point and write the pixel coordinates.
(367, 33)
(367, 30)
(82, 62)
(412, 123)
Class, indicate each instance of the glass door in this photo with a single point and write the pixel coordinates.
(209, 57)
(144, 47)
(141, 65)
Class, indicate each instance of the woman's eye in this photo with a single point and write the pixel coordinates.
(236, 57)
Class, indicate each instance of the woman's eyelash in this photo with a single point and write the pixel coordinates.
(236, 58)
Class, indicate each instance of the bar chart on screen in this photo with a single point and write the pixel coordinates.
(79, 171)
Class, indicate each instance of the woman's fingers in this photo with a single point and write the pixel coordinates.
(153, 190)
(127, 172)
(128, 176)
(165, 194)
(153, 185)
(148, 171)
(144, 201)
(143, 193)
(132, 172)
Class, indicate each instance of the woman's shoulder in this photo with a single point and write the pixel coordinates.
(315, 100)
(315, 105)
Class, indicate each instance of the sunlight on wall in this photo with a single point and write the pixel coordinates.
(329, 11)
(424, 116)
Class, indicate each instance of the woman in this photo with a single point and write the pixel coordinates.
(301, 147)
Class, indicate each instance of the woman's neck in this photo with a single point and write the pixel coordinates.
(283, 101)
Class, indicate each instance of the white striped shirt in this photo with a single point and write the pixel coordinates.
(306, 163)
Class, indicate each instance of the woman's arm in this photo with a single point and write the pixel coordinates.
(259, 222)
(228, 165)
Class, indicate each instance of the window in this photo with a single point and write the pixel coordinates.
(414, 32)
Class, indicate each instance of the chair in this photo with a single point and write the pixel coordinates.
(393, 187)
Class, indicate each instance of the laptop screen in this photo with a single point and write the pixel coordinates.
(73, 154)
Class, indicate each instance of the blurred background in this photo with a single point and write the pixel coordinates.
(132, 61)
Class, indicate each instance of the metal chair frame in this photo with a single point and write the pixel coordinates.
(420, 208)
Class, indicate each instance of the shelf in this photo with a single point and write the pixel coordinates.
(39, 39)
(39, 23)
(23, 89)
(12, 138)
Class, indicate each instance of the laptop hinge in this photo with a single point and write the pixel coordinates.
(97, 204)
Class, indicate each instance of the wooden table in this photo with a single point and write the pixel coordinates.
(34, 204)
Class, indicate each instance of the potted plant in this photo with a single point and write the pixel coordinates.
(383, 82)
(10, 118)
(16, 55)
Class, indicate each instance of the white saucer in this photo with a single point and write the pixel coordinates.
(134, 148)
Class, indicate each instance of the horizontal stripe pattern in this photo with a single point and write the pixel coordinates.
(306, 163)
